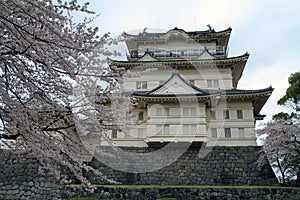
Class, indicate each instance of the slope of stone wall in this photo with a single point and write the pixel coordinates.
(221, 166)
(19, 178)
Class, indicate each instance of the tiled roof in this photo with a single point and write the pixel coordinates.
(190, 33)
(206, 92)
(245, 55)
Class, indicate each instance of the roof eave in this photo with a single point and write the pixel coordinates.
(237, 59)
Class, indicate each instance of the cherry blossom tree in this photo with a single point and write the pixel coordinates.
(282, 141)
(282, 147)
(44, 55)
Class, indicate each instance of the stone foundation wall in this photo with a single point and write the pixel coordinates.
(19, 178)
(119, 193)
(221, 166)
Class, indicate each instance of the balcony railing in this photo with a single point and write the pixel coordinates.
(219, 51)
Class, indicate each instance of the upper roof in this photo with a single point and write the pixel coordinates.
(220, 37)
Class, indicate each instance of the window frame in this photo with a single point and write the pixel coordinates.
(188, 130)
(239, 114)
(114, 133)
(213, 83)
(141, 85)
(141, 115)
(162, 111)
(163, 129)
(140, 133)
(227, 132)
(226, 114)
(214, 132)
(213, 114)
(241, 134)
(189, 111)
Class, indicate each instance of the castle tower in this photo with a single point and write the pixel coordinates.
(186, 90)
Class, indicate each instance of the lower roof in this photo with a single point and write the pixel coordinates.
(258, 97)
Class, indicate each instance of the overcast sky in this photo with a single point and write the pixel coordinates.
(268, 29)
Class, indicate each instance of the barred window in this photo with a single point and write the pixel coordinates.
(114, 134)
(239, 114)
(213, 114)
(141, 116)
(189, 111)
(163, 129)
(141, 85)
(227, 133)
(241, 132)
(140, 133)
(213, 83)
(162, 111)
(214, 133)
(226, 114)
(189, 129)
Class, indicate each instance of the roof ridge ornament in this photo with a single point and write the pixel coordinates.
(144, 30)
(210, 29)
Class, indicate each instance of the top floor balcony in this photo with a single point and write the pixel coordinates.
(187, 53)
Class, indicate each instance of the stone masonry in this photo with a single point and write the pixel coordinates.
(221, 166)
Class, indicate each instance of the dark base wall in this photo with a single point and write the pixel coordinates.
(19, 177)
(221, 166)
(186, 193)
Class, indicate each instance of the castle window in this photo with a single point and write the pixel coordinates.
(213, 114)
(126, 135)
(114, 134)
(213, 83)
(189, 129)
(185, 111)
(241, 132)
(141, 116)
(227, 133)
(141, 85)
(239, 114)
(189, 111)
(162, 111)
(226, 114)
(140, 133)
(159, 111)
(166, 111)
(162, 129)
(214, 133)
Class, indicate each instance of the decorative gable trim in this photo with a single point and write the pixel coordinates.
(164, 89)
(205, 55)
(147, 57)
